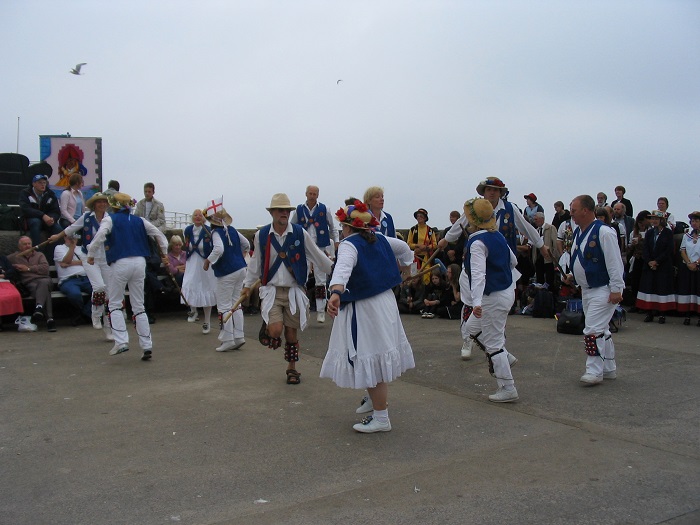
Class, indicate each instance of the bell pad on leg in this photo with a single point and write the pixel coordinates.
(99, 298)
(291, 352)
(591, 345)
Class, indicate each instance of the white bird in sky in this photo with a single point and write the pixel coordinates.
(76, 69)
(339, 81)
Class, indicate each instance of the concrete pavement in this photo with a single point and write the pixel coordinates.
(201, 437)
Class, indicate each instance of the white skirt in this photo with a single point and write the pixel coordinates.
(198, 286)
(379, 352)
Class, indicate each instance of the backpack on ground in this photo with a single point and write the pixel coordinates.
(543, 304)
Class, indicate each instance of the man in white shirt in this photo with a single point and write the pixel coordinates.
(597, 268)
(72, 279)
(314, 218)
(280, 259)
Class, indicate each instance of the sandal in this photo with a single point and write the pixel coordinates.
(293, 377)
(263, 336)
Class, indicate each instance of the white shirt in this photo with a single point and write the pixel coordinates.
(98, 242)
(521, 224)
(347, 258)
(282, 276)
(64, 273)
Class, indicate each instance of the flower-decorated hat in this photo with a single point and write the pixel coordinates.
(493, 182)
(480, 214)
(90, 203)
(357, 215)
(657, 214)
(120, 201)
(216, 214)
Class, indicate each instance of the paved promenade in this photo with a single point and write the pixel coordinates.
(200, 437)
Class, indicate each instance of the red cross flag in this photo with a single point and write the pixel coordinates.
(213, 206)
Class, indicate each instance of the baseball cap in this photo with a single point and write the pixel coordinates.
(39, 177)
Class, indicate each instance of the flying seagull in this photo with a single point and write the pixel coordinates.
(76, 69)
(338, 82)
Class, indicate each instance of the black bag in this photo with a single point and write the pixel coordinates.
(571, 323)
(543, 304)
(9, 218)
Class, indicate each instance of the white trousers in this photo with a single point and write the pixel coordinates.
(492, 325)
(131, 272)
(228, 291)
(598, 312)
(98, 274)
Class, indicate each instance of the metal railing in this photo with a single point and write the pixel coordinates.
(176, 220)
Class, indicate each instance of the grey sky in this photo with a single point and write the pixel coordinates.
(240, 98)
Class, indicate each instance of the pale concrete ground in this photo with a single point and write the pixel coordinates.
(201, 437)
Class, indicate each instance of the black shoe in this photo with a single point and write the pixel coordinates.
(38, 315)
(649, 318)
(50, 325)
(77, 320)
(686, 321)
(151, 319)
(147, 354)
(662, 319)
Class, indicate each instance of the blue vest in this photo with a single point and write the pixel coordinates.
(499, 275)
(386, 226)
(192, 245)
(318, 219)
(232, 259)
(90, 227)
(128, 238)
(505, 218)
(592, 258)
(375, 272)
(292, 254)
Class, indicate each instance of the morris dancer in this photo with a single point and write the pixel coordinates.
(88, 224)
(368, 347)
(124, 239)
(313, 217)
(198, 284)
(689, 271)
(227, 259)
(490, 268)
(596, 266)
(280, 262)
(510, 220)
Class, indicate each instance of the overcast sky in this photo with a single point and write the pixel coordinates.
(242, 98)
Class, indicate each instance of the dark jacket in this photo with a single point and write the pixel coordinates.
(47, 205)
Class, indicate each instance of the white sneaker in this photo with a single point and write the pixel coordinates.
(467, 349)
(205, 328)
(97, 321)
(119, 349)
(612, 374)
(321, 317)
(369, 425)
(590, 379)
(235, 344)
(109, 336)
(504, 396)
(365, 406)
(192, 316)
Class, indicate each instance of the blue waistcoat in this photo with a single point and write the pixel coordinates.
(499, 275)
(375, 272)
(318, 219)
(128, 238)
(90, 227)
(292, 254)
(505, 219)
(592, 258)
(192, 245)
(232, 259)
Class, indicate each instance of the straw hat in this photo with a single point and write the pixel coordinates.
(658, 214)
(219, 217)
(491, 182)
(280, 201)
(120, 200)
(480, 214)
(99, 196)
(357, 216)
